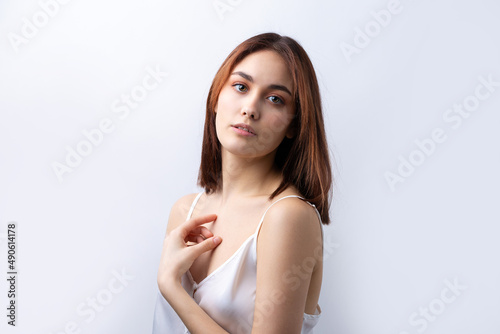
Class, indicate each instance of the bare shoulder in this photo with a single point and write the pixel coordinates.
(294, 219)
(294, 212)
(180, 210)
(289, 262)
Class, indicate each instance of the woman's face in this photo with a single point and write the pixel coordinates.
(257, 94)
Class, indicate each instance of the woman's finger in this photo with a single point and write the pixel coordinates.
(205, 246)
(194, 238)
(205, 232)
(199, 231)
(192, 223)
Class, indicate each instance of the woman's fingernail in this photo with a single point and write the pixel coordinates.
(216, 240)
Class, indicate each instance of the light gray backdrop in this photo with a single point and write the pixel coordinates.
(411, 93)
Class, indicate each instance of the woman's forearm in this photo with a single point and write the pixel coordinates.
(192, 315)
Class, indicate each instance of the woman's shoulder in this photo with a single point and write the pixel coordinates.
(184, 202)
(180, 210)
(293, 205)
(292, 211)
(295, 221)
(292, 200)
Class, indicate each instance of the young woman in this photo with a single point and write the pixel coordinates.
(245, 255)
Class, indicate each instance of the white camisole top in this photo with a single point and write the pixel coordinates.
(227, 294)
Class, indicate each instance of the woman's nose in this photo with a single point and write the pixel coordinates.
(250, 108)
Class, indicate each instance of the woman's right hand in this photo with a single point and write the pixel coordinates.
(178, 256)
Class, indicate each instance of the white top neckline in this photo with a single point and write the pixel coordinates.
(242, 246)
(228, 293)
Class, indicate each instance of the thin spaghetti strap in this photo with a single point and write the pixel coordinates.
(314, 206)
(262, 219)
(193, 205)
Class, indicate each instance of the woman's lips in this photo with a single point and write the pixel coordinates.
(242, 132)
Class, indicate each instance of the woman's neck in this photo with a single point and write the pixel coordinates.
(247, 177)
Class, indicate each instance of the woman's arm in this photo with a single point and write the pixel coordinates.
(288, 250)
(177, 257)
(287, 245)
(191, 314)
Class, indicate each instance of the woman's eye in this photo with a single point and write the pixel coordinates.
(240, 87)
(275, 100)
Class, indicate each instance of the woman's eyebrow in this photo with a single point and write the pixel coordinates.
(273, 86)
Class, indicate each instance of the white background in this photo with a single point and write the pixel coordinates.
(396, 247)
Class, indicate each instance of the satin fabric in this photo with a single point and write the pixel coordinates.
(227, 295)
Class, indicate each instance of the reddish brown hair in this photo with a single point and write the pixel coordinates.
(304, 159)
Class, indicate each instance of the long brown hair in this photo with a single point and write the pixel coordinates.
(304, 159)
